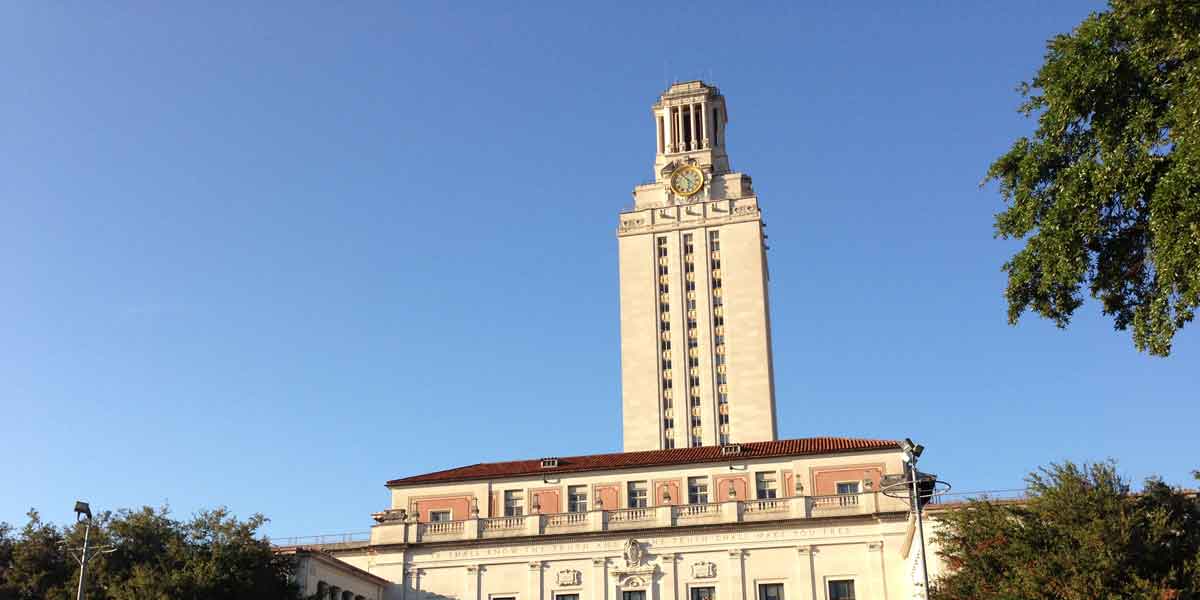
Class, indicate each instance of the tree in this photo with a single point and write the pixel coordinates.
(1080, 535)
(1107, 191)
(213, 556)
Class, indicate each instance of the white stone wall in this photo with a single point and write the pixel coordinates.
(803, 557)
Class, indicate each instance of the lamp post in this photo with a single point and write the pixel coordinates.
(83, 512)
(912, 451)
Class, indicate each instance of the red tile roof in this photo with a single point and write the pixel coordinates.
(648, 458)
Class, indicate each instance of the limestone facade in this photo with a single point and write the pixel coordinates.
(757, 524)
(696, 366)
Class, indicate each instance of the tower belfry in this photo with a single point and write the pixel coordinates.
(695, 326)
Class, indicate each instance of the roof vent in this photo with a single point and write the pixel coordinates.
(731, 449)
(549, 463)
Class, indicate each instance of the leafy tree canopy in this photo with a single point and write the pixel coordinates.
(211, 556)
(1080, 535)
(1107, 191)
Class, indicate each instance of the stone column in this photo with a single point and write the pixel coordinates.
(732, 580)
(669, 577)
(876, 576)
(658, 131)
(534, 589)
(412, 591)
(471, 589)
(599, 579)
(679, 127)
(695, 126)
(704, 124)
(805, 584)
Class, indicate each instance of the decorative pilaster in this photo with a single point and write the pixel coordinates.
(599, 577)
(413, 590)
(805, 584)
(704, 125)
(534, 588)
(669, 583)
(471, 587)
(733, 579)
(877, 574)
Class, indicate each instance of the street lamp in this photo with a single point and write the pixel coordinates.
(83, 512)
(912, 452)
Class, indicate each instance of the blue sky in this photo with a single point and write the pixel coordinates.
(269, 256)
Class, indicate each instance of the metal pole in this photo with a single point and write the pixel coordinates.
(912, 463)
(83, 561)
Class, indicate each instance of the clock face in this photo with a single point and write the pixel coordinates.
(687, 180)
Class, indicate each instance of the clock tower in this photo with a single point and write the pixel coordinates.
(695, 326)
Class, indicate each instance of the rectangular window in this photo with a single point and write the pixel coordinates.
(770, 591)
(764, 483)
(637, 494)
(633, 595)
(513, 503)
(847, 487)
(841, 589)
(576, 498)
(566, 597)
(439, 516)
(696, 443)
(724, 439)
(697, 490)
(703, 593)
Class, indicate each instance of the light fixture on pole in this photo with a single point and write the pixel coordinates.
(911, 453)
(83, 512)
(919, 488)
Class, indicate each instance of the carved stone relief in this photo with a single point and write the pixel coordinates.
(704, 569)
(568, 577)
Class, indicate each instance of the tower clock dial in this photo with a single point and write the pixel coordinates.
(687, 180)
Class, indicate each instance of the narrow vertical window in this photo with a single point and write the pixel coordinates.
(664, 345)
(697, 490)
(577, 498)
(661, 137)
(636, 492)
(765, 485)
(514, 504)
(716, 289)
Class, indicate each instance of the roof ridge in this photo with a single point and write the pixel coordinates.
(645, 458)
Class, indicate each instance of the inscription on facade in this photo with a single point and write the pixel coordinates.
(617, 547)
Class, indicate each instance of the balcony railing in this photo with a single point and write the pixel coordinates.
(402, 531)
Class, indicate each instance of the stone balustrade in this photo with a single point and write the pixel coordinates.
(400, 531)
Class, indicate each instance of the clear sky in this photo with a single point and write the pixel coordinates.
(271, 256)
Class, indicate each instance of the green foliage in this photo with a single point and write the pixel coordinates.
(1107, 192)
(1081, 535)
(211, 556)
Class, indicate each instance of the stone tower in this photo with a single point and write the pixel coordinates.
(695, 325)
